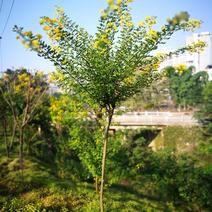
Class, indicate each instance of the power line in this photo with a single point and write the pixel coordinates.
(1, 5)
(8, 17)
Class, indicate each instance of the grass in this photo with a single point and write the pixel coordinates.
(38, 189)
(178, 139)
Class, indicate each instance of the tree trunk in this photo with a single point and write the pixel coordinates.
(13, 136)
(104, 152)
(5, 137)
(97, 184)
(21, 144)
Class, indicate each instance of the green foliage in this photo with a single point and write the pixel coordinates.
(86, 139)
(153, 97)
(94, 65)
(20, 87)
(205, 113)
(127, 151)
(179, 180)
(45, 199)
(109, 67)
(14, 181)
(20, 206)
(139, 180)
(65, 110)
(178, 139)
(103, 70)
(125, 202)
(186, 88)
(23, 93)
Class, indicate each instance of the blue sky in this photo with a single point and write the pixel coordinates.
(26, 13)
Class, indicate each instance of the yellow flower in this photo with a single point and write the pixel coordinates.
(39, 73)
(163, 28)
(23, 77)
(39, 36)
(27, 33)
(58, 36)
(153, 33)
(150, 20)
(96, 44)
(109, 24)
(56, 49)
(17, 88)
(27, 46)
(148, 17)
(110, 1)
(180, 68)
(115, 27)
(54, 20)
(103, 14)
(119, 2)
(141, 24)
(51, 77)
(155, 66)
(60, 23)
(114, 7)
(197, 46)
(193, 24)
(57, 30)
(42, 22)
(129, 24)
(35, 43)
(129, 80)
(59, 10)
(46, 28)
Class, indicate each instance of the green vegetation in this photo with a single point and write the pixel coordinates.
(180, 83)
(178, 139)
(139, 180)
(56, 149)
(110, 66)
(185, 87)
(205, 112)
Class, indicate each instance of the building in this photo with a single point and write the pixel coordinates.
(202, 61)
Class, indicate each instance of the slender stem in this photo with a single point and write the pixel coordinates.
(97, 184)
(13, 135)
(105, 141)
(5, 136)
(21, 143)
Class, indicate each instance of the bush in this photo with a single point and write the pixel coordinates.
(178, 180)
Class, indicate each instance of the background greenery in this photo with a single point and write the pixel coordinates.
(62, 160)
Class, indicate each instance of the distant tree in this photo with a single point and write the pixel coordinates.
(23, 93)
(40, 134)
(112, 65)
(186, 87)
(205, 113)
(155, 96)
(5, 122)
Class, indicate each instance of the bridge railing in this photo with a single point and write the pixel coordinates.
(154, 118)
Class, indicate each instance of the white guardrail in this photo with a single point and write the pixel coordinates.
(155, 118)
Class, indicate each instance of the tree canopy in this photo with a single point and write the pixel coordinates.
(185, 86)
(114, 63)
